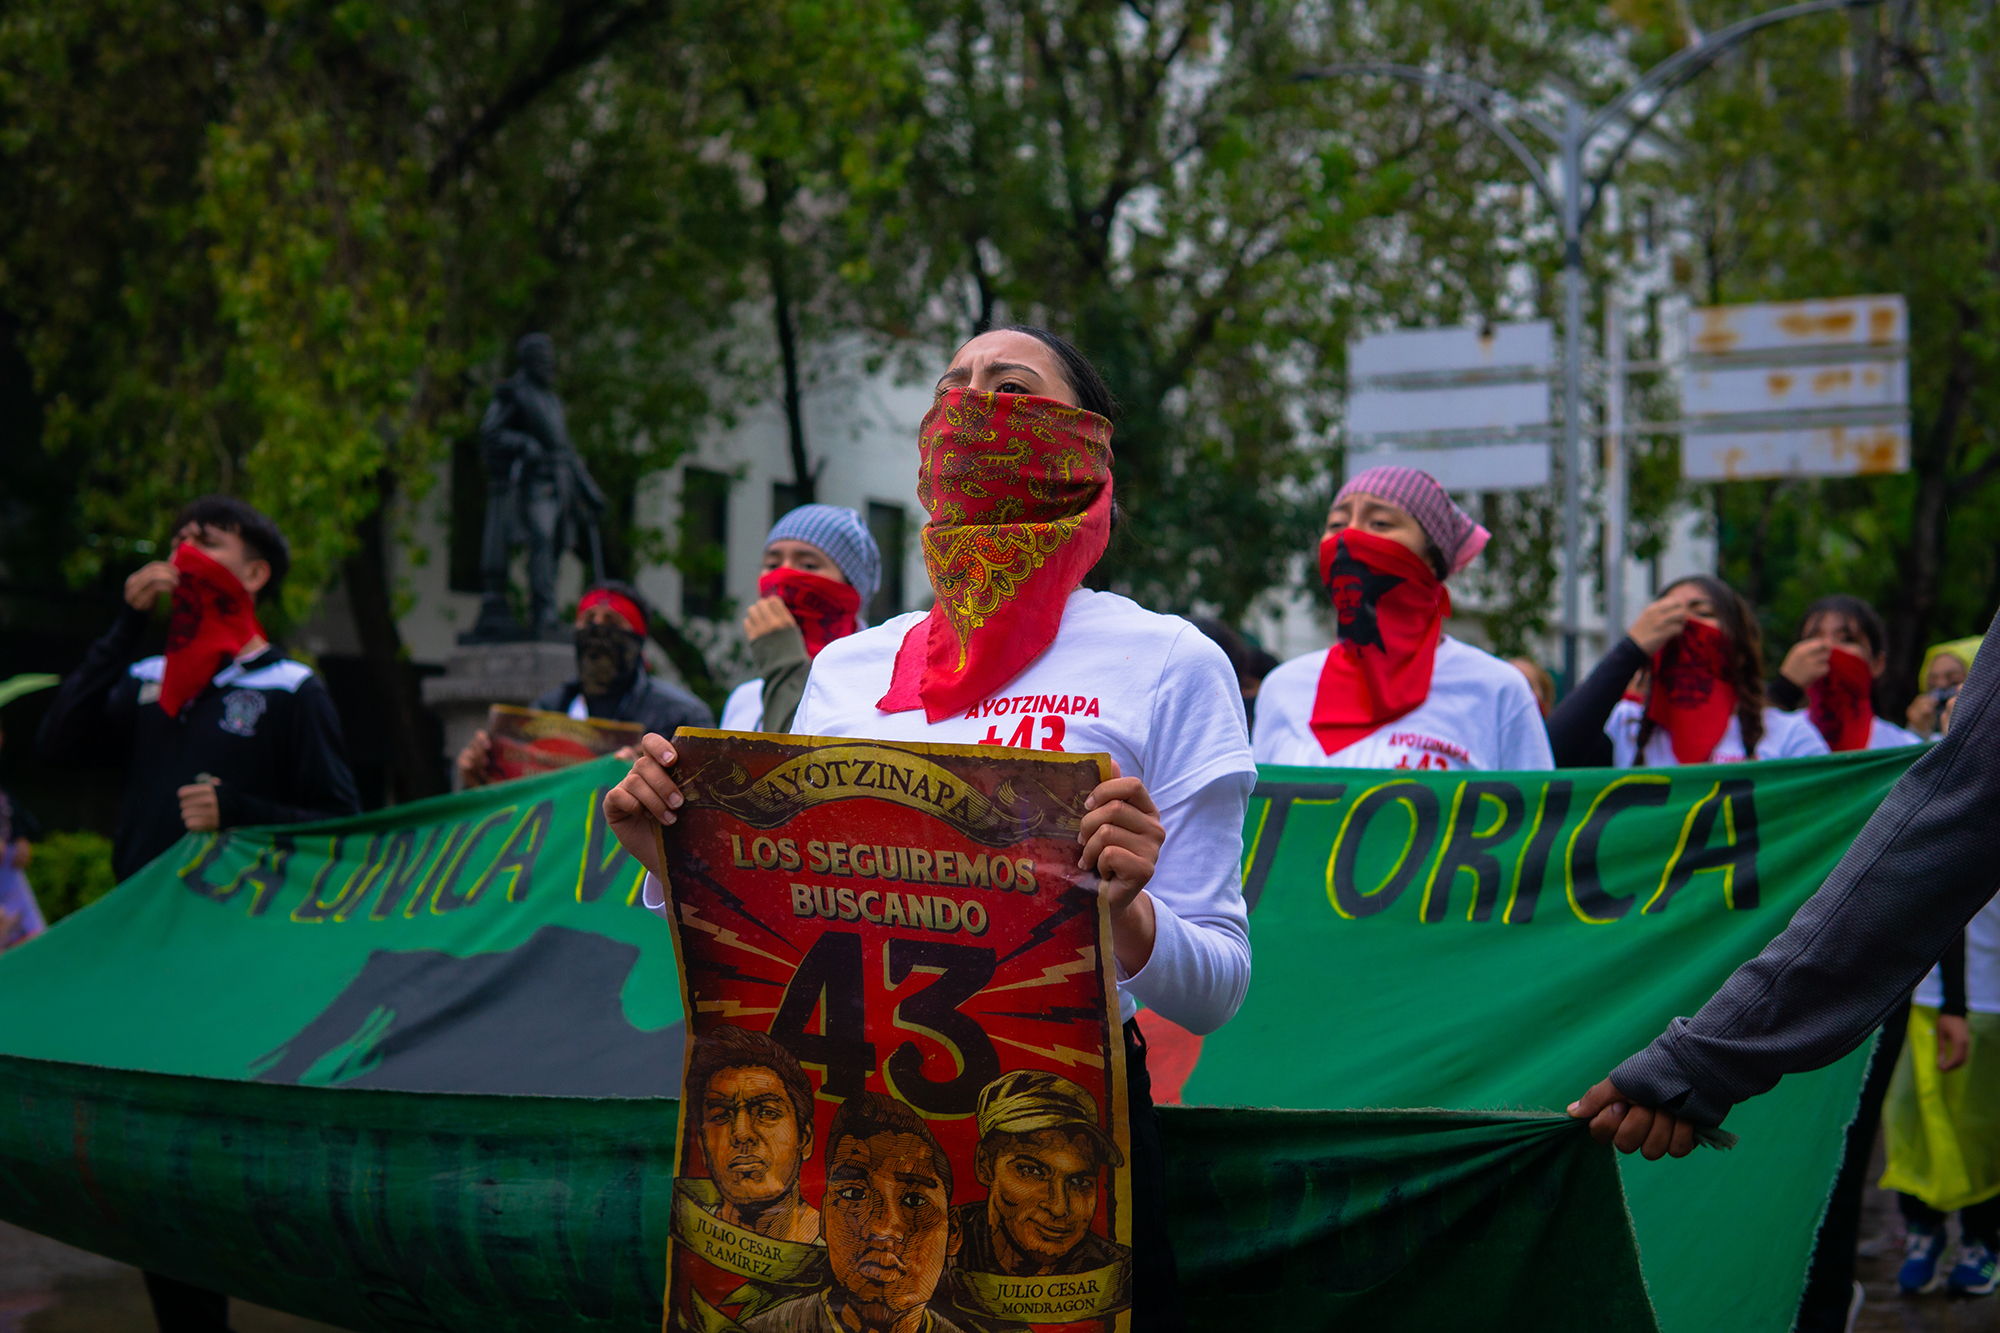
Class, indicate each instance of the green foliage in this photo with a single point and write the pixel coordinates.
(281, 252)
(1153, 182)
(70, 871)
(1852, 154)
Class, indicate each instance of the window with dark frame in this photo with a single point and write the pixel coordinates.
(704, 544)
(888, 524)
(785, 497)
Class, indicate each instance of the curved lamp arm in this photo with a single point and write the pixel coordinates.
(1671, 74)
(1470, 95)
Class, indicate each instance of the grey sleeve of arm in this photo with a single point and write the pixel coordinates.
(780, 658)
(1922, 867)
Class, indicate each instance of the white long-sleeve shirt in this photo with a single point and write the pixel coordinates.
(1157, 696)
(1480, 713)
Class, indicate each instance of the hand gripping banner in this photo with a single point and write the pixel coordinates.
(905, 1083)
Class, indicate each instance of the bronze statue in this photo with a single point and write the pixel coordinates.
(538, 494)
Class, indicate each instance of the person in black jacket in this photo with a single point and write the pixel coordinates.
(255, 742)
(611, 681)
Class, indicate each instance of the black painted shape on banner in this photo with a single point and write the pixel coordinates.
(1736, 857)
(1551, 810)
(545, 1018)
(1271, 829)
(1421, 805)
(1587, 893)
(1469, 847)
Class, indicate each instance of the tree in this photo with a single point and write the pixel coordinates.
(1848, 155)
(276, 253)
(818, 126)
(1151, 180)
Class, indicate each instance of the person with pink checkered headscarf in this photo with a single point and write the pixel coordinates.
(1394, 690)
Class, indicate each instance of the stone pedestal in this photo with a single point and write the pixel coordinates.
(477, 676)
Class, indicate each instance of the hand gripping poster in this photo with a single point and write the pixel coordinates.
(904, 1106)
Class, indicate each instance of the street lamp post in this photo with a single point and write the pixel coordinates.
(1637, 107)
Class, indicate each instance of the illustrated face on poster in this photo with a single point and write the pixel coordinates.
(904, 1104)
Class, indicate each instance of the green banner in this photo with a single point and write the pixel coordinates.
(401, 1212)
(1503, 940)
(483, 942)
(240, 1066)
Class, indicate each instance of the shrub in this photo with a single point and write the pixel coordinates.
(70, 871)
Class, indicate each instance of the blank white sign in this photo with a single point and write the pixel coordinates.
(1830, 451)
(1796, 388)
(1465, 467)
(1525, 346)
(1471, 407)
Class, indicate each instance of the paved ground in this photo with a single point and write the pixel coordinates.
(46, 1287)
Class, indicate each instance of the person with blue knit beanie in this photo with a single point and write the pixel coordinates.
(821, 566)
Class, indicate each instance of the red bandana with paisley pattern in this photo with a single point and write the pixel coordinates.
(1019, 493)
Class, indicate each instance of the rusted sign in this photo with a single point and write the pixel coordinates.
(1783, 326)
(1797, 389)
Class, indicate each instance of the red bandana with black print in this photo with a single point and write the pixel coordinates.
(1391, 607)
(1694, 693)
(1842, 702)
(1018, 488)
(213, 617)
(824, 608)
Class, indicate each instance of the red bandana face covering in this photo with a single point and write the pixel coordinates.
(1841, 703)
(1693, 696)
(213, 618)
(825, 608)
(1019, 493)
(1391, 608)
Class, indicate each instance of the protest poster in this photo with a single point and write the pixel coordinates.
(905, 1084)
(525, 742)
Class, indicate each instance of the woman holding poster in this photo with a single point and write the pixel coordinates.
(1015, 471)
(1684, 686)
(1396, 691)
(1842, 650)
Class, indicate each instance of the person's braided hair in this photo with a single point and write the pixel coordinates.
(1746, 655)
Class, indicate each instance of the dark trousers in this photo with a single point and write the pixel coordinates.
(1830, 1281)
(180, 1308)
(1979, 1222)
(1156, 1285)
